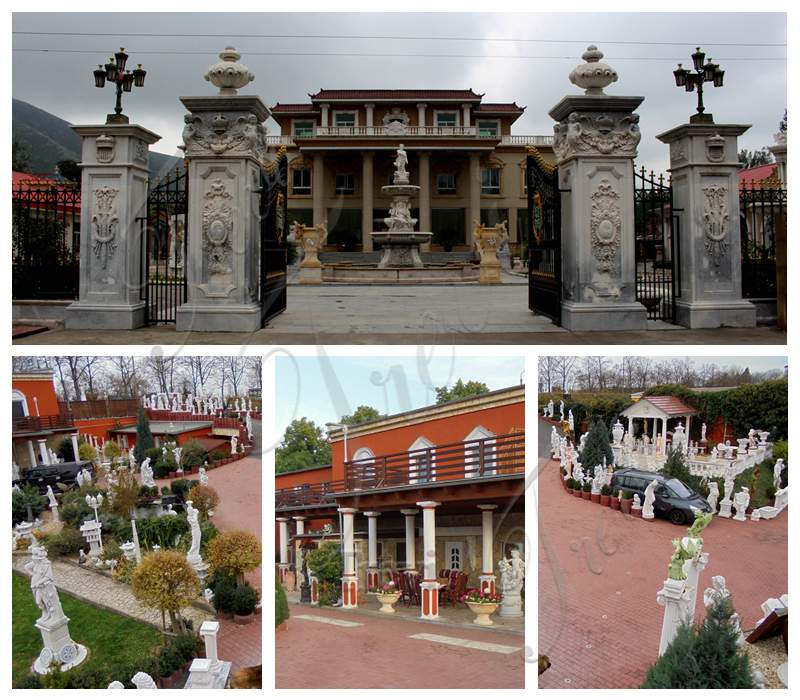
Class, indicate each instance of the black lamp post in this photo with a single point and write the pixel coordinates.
(114, 72)
(692, 80)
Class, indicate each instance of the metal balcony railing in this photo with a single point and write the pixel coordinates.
(432, 131)
(308, 494)
(34, 424)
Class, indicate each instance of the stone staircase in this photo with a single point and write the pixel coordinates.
(356, 258)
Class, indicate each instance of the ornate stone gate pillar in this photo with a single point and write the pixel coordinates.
(225, 149)
(114, 173)
(704, 163)
(595, 144)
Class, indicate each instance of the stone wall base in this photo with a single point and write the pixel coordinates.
(81, 315)
(310, 275)
(715, 314)
(236, 318)
(626, 316)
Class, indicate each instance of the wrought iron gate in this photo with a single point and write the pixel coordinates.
(762, 216)
(273, 210)
(544, 236)
(657, 246)
(164, 240)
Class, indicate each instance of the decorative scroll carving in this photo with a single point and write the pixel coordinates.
(217, 228)
(105, 224)
(715, 221)
(592, 133)
(229, 133)
(396, 122)
(606, 227)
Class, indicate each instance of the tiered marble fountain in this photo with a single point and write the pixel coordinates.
(400, 260)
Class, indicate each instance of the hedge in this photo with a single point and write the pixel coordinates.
(281, 604)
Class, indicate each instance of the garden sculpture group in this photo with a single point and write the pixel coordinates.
(512, 578)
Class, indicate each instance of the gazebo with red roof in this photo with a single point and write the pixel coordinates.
(655, 408)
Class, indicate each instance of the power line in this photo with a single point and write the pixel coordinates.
(390, 55)
(399, 38)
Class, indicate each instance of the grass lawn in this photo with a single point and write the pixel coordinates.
(110, 638)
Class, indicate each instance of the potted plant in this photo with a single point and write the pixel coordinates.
(614, 501)
(577, 491)
(223, 599)
(605, 495)
(570, 483)
(482, 604)
(245, 600)
(587, 491)
(387, 596)
(626, 501)
(169, 667)
(595, 497)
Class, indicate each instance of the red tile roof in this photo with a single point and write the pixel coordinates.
(754, 176)
(492, 107)
(671, 405)
(466, 95)
(288, 107)
(18, 178)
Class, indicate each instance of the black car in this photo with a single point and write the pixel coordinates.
(44, 475)
(674, 500)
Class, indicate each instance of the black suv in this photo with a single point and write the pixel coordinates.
(45, 475)
(674, 500)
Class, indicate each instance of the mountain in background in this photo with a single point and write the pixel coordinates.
(50, 139)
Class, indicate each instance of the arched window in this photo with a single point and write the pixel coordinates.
(421, 461)
(19, 404)
(365, 466)
(477, 442)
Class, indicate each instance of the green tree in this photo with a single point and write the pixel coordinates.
(326, 562)
(705, 656)
(281, 604)
(26, 504)
(20, 156)
(676, 467)
(362, 414)
(597, 446)
(304, 445)
(69, 170)
(752, 159)
(144, 438)
(460, 390)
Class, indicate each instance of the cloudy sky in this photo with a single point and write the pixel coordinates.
(324, 388)
(510, 57)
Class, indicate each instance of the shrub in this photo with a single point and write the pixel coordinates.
(65, 450)
(587, 486)
(223, 595)
(144, 438)
(26, 504)
(154, 453)
(328, 592)
(68, 541)
(165, 530)
(193, 454)
(149, 492)
(124, 494)
(245, 600)
(217, 455)
(86, 451)
(204, 498)
(112, 450)
(161, 471)
(627, 495)
(675, 466)
(165, 580)
(234, 551)
(112, 550)
(705, 656)
(606, 490)
(180, 487)
(597, 446)
(281, 604)
(326, 562)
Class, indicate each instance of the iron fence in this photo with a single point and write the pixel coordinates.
(762, 219)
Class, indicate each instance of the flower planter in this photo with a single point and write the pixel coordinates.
(482, 612)
(587, 495)
(577, 493)
(605, 500)
(172, 475)
(172, 680)
(595, 498)
(224, 615)
(569, 490)
(625, 505)
(243, 619)
(613, 502)
(387, 601)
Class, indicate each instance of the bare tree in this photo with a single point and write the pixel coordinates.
(163, 369)
(200, 370)
(546, 372)
(233, 369)
(256, 367)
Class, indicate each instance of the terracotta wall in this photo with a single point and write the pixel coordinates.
(43, 390)
(307, 476)
(101, 427)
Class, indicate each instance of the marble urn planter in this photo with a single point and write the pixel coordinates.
(388, 601)
(482, 612)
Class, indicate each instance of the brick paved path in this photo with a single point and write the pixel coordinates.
(103, 591)
(599, 572)
(380, 653)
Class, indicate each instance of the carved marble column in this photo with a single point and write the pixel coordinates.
(114, 172)
(367, 195)
(595, 144)
(705, 193)
(225, 150)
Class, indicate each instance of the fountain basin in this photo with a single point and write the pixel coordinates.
(400, 248)
(451, 273)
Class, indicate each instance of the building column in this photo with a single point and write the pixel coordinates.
(487, 577)
(370, 112)
(283, 566)
(425, 195)
(367, 194)
(411, 544)
(465, 108)
(32, 453)
(429, 585)
(654, 431)
(373, 572)
(688, 426)
(74, 438)
(43, 451)
(349, 577)
(318, 189)
(474, 209)
(513, 234)
(298, 568)
(324, 114)
(421, 116)
(630, 426)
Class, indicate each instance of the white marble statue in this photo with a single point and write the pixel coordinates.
(649, 498)
(551, 409)
(776, 473)
(571, 420)
(176, 452)
(740, 502)
(554, 441)
(43, 586)
(400, 163)
(147, 474)
(51, 497)
(143, 681)
(234, 444)
(713, 495)
(192, 515)
(561, 414)
(131, 461)
(703, 433)
(512, 578)
(203, 476)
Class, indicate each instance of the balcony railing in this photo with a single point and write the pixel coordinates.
(495, 456)
(308, 494)
(279, 141)
(432, 131)
(35, 424)
(521, 140)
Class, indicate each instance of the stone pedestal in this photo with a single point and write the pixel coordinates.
(58, 647)
(595, 144)
(488, 239)
(705, 193)
(310, 239)
(350, 591)
(224, 145)
(511, 607)
(429, 605)
(672, 596)
(114, 172)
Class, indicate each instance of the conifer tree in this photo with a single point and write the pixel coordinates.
(144, 438)
(597, 446)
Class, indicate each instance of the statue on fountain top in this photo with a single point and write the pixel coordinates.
(399, 218)
(400, 163)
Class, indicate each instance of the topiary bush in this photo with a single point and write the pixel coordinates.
(193, 454)
(245, 600)
(204, 498)
(597, 446)
(235, 552)
(281, 604)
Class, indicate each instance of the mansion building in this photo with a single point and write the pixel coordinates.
(470, 167)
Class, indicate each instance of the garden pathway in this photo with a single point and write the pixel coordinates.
(103, 591)
(599, 572)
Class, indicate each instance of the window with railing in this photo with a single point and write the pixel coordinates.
(303, 130)
(490, 181)
(344, 119)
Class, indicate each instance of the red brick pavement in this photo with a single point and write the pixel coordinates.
(380, 655)
(599, 572)
(240, 644)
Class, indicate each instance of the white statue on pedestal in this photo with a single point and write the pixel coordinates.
(400, 163)
(740, 502)
(713, 495)
(561, 414)
(571, 420)
(512, 578)
(234, 444)
(551, 409)
(147, 474)
(649, 499)
(203, 476)
(43, 586)
(776, 473)
(131, 461)
(51, 497)
(703, 433)
(192, 515)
